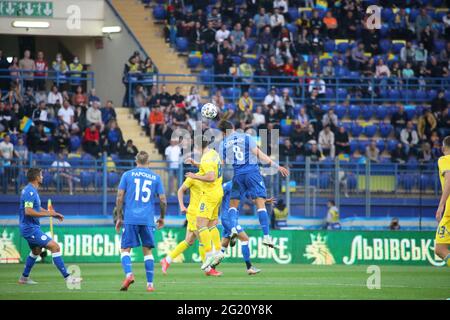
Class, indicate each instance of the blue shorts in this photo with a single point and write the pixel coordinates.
(251, 183)
(38, 239)
(133, 235)
(226, 226)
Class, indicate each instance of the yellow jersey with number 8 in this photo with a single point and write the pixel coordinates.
(211, 162)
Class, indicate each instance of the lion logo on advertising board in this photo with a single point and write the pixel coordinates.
(168, 243)
(319, 251)
(8, 251)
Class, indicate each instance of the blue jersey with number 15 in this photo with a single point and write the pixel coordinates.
(141, 187)
(236, 150)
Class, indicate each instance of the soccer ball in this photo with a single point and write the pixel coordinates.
(209, 110)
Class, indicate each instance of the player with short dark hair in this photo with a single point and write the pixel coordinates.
(136, 195)
(29, 214)
(443, 211)
(241, 151)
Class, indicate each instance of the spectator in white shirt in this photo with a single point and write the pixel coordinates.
(317, 84)
(54, 97)
(272, 99)
(330, 119)
(7, 150)
(282, 5)
(326, 142)
(60, 169)
(222, 33)
(193, 101)
(258, 118)
(67, 116)
(94, 116)
(409, 138)
(277, 22)
(173, 156)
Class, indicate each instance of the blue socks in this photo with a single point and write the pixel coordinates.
(263, 217)
(31, 260)
(246, 253)
(149, 267)
(59, 263)
(233, 216)
(126, 263)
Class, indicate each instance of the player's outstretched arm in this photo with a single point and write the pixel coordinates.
(180, 195)
(266, 159)
(444, 197)
(208, 177)
(119, 208)
(163, 206)
(43, 213)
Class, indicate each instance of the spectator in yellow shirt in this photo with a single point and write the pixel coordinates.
(245, 102)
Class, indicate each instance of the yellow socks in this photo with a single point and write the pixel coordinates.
(179, 249)
(215, 237)
(201, 252)
(205, 239)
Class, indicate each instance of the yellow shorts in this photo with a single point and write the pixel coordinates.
(192, 222)
(443, 230)
(209, 208)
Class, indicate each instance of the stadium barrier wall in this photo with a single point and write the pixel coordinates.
(102, 244)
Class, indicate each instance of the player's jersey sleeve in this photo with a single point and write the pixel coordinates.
(251, 142)
(30, 199)
(188, 183)
(123, 182)
(444, 165)
(209, 164)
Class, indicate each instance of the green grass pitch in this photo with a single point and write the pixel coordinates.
(186, 281)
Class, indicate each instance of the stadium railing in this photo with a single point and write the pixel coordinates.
(307, 183)
(86, 78)
(357, 89)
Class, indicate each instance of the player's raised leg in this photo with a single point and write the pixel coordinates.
(179, 249)
(59, 263)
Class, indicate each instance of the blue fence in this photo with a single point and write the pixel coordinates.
(353, 87)
(308, 184)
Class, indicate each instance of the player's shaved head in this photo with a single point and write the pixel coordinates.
(142, 158)
(33, 174)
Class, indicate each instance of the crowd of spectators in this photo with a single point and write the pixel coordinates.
(38, 116)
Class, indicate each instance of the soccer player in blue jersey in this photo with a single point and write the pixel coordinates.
(138, 190)
(29, 214)
(240, 149)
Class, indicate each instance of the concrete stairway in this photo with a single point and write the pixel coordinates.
(150, 35)
(131, 130)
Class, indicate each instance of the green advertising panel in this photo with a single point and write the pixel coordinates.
(102, 244)
(29, 9)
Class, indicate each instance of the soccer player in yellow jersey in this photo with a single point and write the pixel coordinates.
(210, 175)
(443, 211)
(191, 212)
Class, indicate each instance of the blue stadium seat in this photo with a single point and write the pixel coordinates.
(385, 45)
(340, 111)
(387, 15)
(356, 129)
(324, 107)
(47, 159)
(193, 62)
(258, 93)
(363, 145)
(159, 12)
(329, 93)
(394, 94)
(426, 182)
(410, 113)
(324, 180)
(341, 94)
(75, 143)
(431, 94)
(47, 180)
(381, 112)
(293, 13)
(354, 145)
(113, 179)
(286, 129)
(367, 112)
(439, 45)
(385, 129)
(392, 144)
(232, 93)
(236, 59)
(251, 43)
(182, 44)
(421, 95)
(87, 178)
(352, 182)
(397, 46)
(329, 46)
(370, 130)
(354, 111)
(292, 28)
(206, 76)
(342, 47)
(230, 106)
(381, 145)
(207, 60)
(407, 94)
(447, 95)
(384, 31)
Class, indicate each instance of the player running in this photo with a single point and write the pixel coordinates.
(210, 176)
(29, 214)
(138, 189)
(443, 211)
(242, 235)
(240, 149)
(195, 193)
